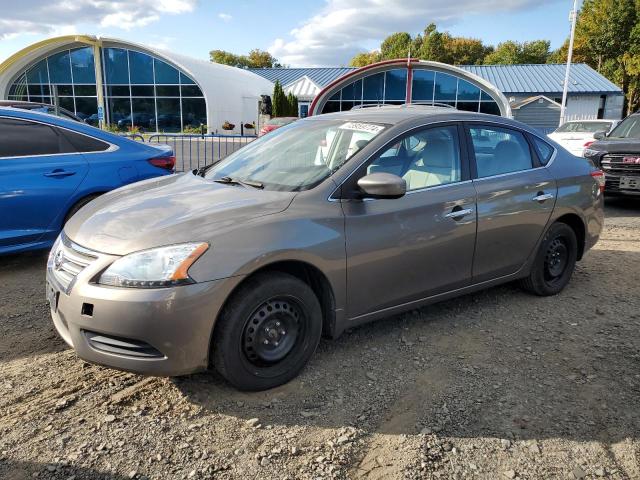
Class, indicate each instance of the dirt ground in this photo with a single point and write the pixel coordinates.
(494, 385)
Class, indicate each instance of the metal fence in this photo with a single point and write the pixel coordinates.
(193, 150)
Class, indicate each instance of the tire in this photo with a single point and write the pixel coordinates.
(77, 206)
(274, 307)
(554, 262)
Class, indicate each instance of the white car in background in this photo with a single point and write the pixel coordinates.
(576, 135)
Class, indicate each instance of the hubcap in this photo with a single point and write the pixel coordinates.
(556, 258)
(272, 331)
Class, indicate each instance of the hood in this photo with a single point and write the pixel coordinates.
(166, 210)
(617, 145)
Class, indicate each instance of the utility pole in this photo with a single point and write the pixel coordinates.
(573, 16)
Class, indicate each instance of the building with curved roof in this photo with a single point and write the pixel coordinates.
(123, 83)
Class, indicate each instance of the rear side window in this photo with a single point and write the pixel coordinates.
(543, 149)
(500, 150)
(23, 138)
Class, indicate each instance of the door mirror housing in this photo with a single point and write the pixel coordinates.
(382, 185)
(600, 135)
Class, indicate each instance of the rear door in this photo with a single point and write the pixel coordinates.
(515, 198)
(39, 172)
(402, 250)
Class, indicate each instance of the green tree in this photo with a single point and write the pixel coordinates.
(256, 59)
(363, 59)
(292, 105)
(511, 53)
(396, 45)
(279, 103)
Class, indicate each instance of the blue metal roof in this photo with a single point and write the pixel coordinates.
(320, 76)
(543, 78)
(509, 79)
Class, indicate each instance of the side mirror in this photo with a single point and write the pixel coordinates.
(600, 135)
(382, 185)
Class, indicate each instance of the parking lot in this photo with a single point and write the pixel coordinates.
(498, 384)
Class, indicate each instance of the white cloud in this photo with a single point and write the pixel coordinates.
(53, 16)
(225, 17)
(344, 27)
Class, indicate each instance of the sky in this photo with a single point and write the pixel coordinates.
(296, 32)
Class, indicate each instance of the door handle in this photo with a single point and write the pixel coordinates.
(455, 214)
(541, 197)
(58, 173)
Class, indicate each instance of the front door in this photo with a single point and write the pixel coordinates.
(515, 197)
(39, 172)
(402, 250)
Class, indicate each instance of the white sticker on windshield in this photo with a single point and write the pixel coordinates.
(362, 127)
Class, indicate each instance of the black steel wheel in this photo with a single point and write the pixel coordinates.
(555, 261)
(267, 332)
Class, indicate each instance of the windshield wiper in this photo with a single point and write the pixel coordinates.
(202, 170)
(237, 181)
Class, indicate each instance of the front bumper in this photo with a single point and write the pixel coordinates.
(164, 331)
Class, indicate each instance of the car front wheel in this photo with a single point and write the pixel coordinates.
(554, 262)
(267, 331)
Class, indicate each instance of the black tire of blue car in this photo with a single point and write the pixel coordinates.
(267, 331)
(554, 262)
(77, 206)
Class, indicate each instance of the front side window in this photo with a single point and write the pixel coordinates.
(500, 150)
(298, 156)
(426, 158)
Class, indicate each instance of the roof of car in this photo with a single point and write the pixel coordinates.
(22, 103)
(395, 114)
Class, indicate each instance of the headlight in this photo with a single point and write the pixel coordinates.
(589, 152)
(153, 268)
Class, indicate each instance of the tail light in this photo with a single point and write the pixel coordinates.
(598, 176)
(168, 163)
(588, 144)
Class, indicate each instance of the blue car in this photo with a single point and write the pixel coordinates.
(50, 167)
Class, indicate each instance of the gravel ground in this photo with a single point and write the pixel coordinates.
(495, 385)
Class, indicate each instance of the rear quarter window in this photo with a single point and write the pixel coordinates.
(84, 143)
(543, 149)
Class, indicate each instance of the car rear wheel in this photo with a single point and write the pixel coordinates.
(267, 332)
(554, 262)
(77, 206)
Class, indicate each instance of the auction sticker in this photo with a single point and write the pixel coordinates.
(362, 127)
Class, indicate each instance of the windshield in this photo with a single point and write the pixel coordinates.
(587, 127)
(628, 128)
(298, 156)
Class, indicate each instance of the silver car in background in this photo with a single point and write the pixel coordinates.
(324, 224)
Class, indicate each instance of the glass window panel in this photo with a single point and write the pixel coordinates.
(65, 90)
(118, 90)
(165, 73)
(467, 91)
(115, 66)
(446, 86)
(396, 85)
(191, 91)
(373, 87)
(37, 99)
(60, 67)
(346, 106)
(141, 68)
(21, 98)
(169, 114)
(194, 112)
(67, 103)
(85, 90)
(500, 150)
(144, 113)
(336, 96)
(86, 107)
(142, 91)
(353, 91)
(486, 96)
(422, 86)
(186, 80)
(489, 107)
(167, 90)
(119, 109)
(82, 65)
(38, 73)
(468, 106)
(19, 87)
(331, 107)
(39, 90)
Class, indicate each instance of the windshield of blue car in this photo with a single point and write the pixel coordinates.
(584, 127)
(628, 128)
(298, 156)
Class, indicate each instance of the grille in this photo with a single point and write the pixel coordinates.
(67, 261)
(121, 346)
(616, 165)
